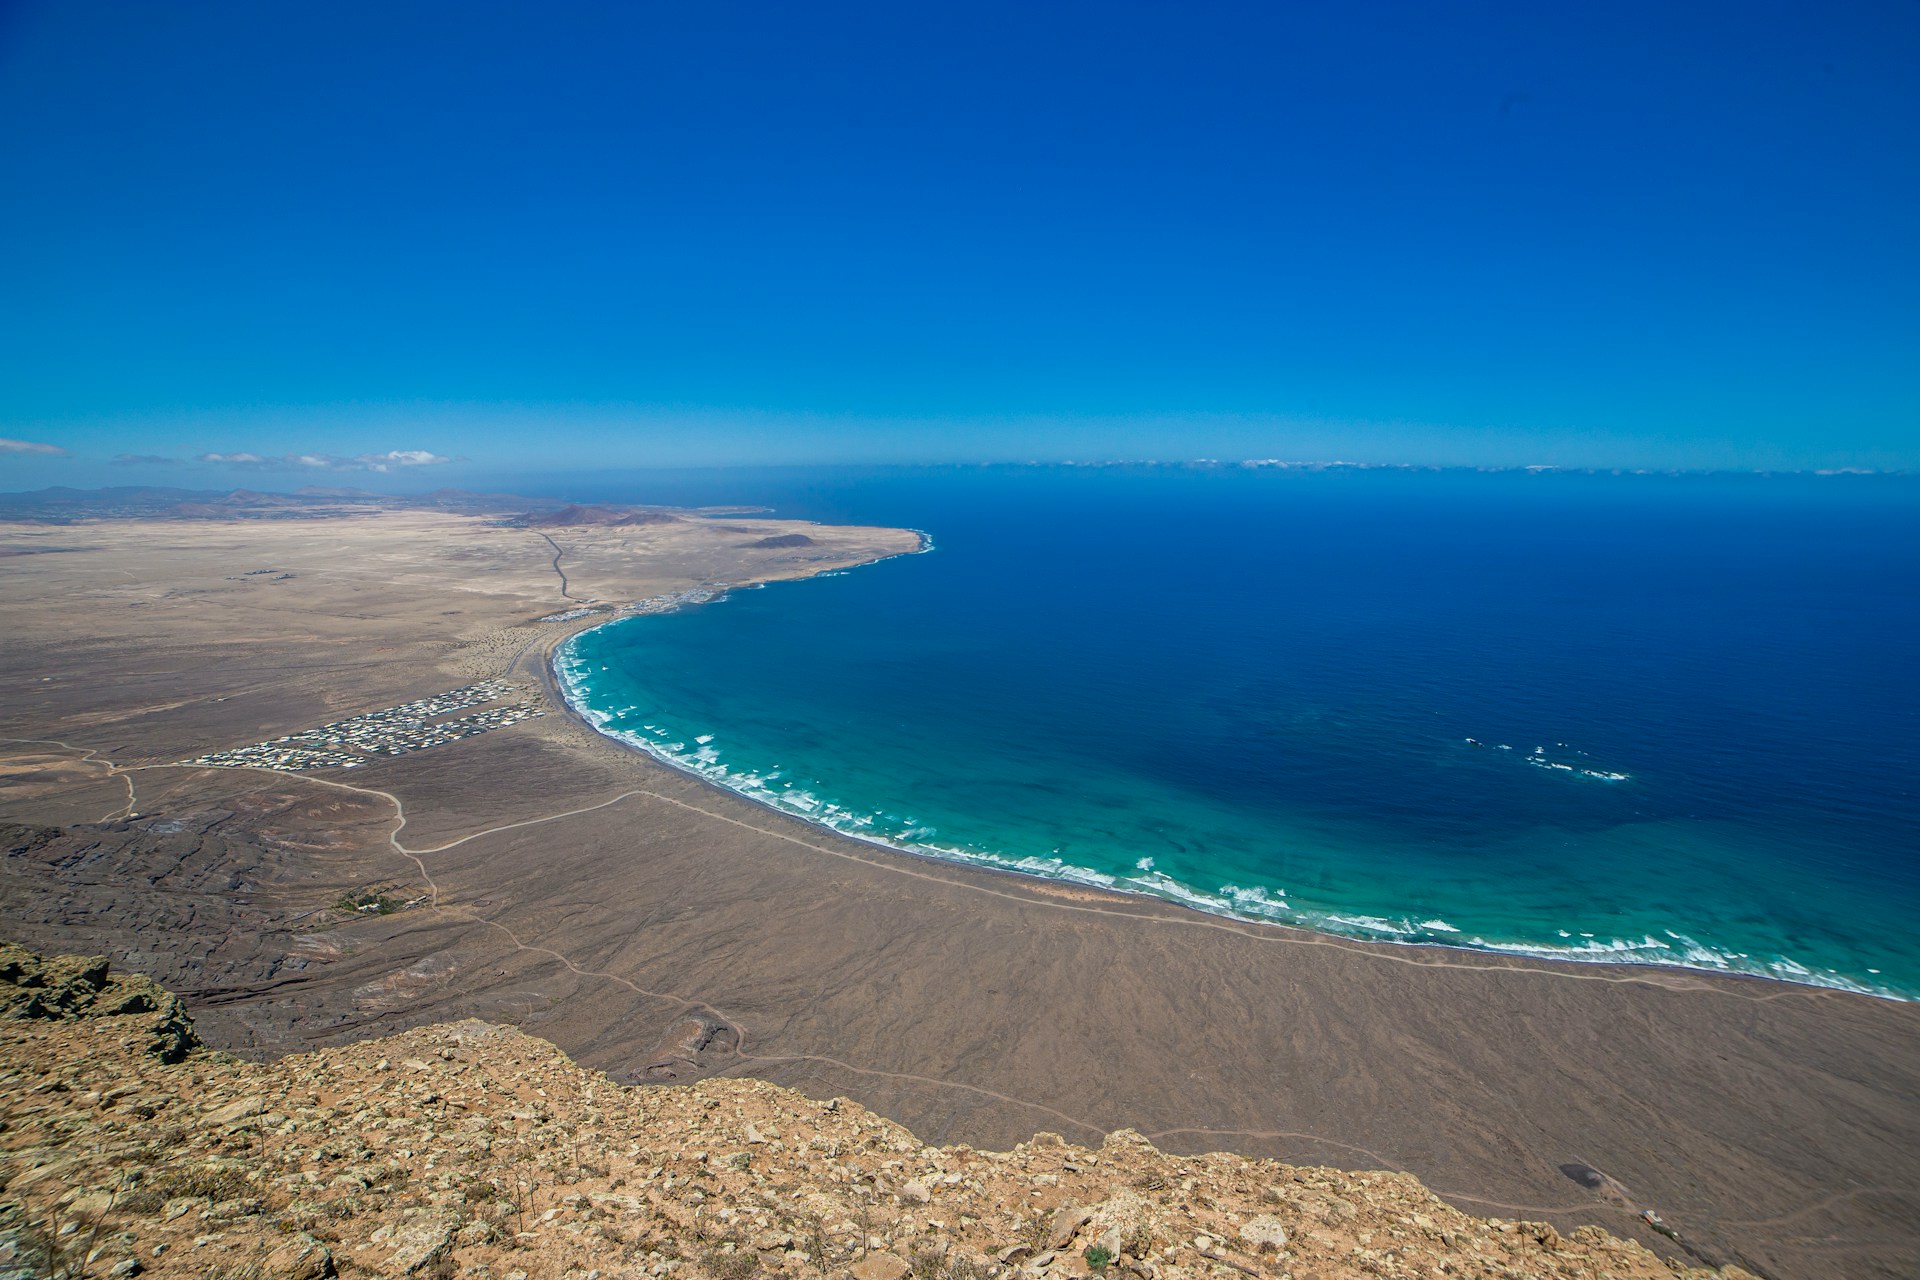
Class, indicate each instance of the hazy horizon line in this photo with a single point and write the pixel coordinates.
(205, 472)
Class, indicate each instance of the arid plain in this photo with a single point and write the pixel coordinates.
(662, 931)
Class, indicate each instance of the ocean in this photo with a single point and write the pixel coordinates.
(1667, 720)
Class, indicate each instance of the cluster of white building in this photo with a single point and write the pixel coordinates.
(668, 603)
(395, 731)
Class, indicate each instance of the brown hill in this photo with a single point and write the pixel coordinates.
(468, 1149)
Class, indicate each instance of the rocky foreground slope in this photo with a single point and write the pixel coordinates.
(472, 1150)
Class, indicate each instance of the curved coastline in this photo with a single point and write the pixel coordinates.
(1245, 906)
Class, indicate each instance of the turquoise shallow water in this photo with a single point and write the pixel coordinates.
(1606, 718)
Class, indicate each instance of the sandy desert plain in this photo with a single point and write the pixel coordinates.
(663, 931)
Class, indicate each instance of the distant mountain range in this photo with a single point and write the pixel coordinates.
(62, 505)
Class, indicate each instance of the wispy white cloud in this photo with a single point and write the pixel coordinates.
(31, 446)
(144, 460)
(391, 460)
(402, 458)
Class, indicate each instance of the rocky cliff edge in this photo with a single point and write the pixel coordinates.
(473, 1150)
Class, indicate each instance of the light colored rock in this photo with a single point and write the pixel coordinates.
(89, 1206)
(405, 1182)
(1067, 1221)
(420, 1242)
(234, 1112)
(881, 1266)
(300, 1258)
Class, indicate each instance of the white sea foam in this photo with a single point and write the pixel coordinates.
(1539, 759)
(1373, 924)
(1257, 900)
(1252, 903)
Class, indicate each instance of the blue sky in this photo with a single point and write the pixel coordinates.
(551, 237)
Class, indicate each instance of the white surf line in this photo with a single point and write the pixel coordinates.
(1677, 981)
(743, 1059)
(1377, 951)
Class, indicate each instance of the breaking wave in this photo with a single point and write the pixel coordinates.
(699, 754)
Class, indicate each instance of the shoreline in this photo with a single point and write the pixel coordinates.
(562, 687)
(662, 929)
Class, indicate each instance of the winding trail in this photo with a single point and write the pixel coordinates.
(742, 1060)
(1278, 935)
(1808, 1209)
(1196, 920)
(91, 755)
(565, 588)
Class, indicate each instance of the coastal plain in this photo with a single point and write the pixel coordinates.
(662, 931)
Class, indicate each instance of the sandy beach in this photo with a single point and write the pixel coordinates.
(662, 930)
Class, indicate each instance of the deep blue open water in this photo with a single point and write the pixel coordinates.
(1653, 719)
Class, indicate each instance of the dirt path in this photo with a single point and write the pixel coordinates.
(565, 588)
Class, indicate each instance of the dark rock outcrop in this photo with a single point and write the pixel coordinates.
(62, 987)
